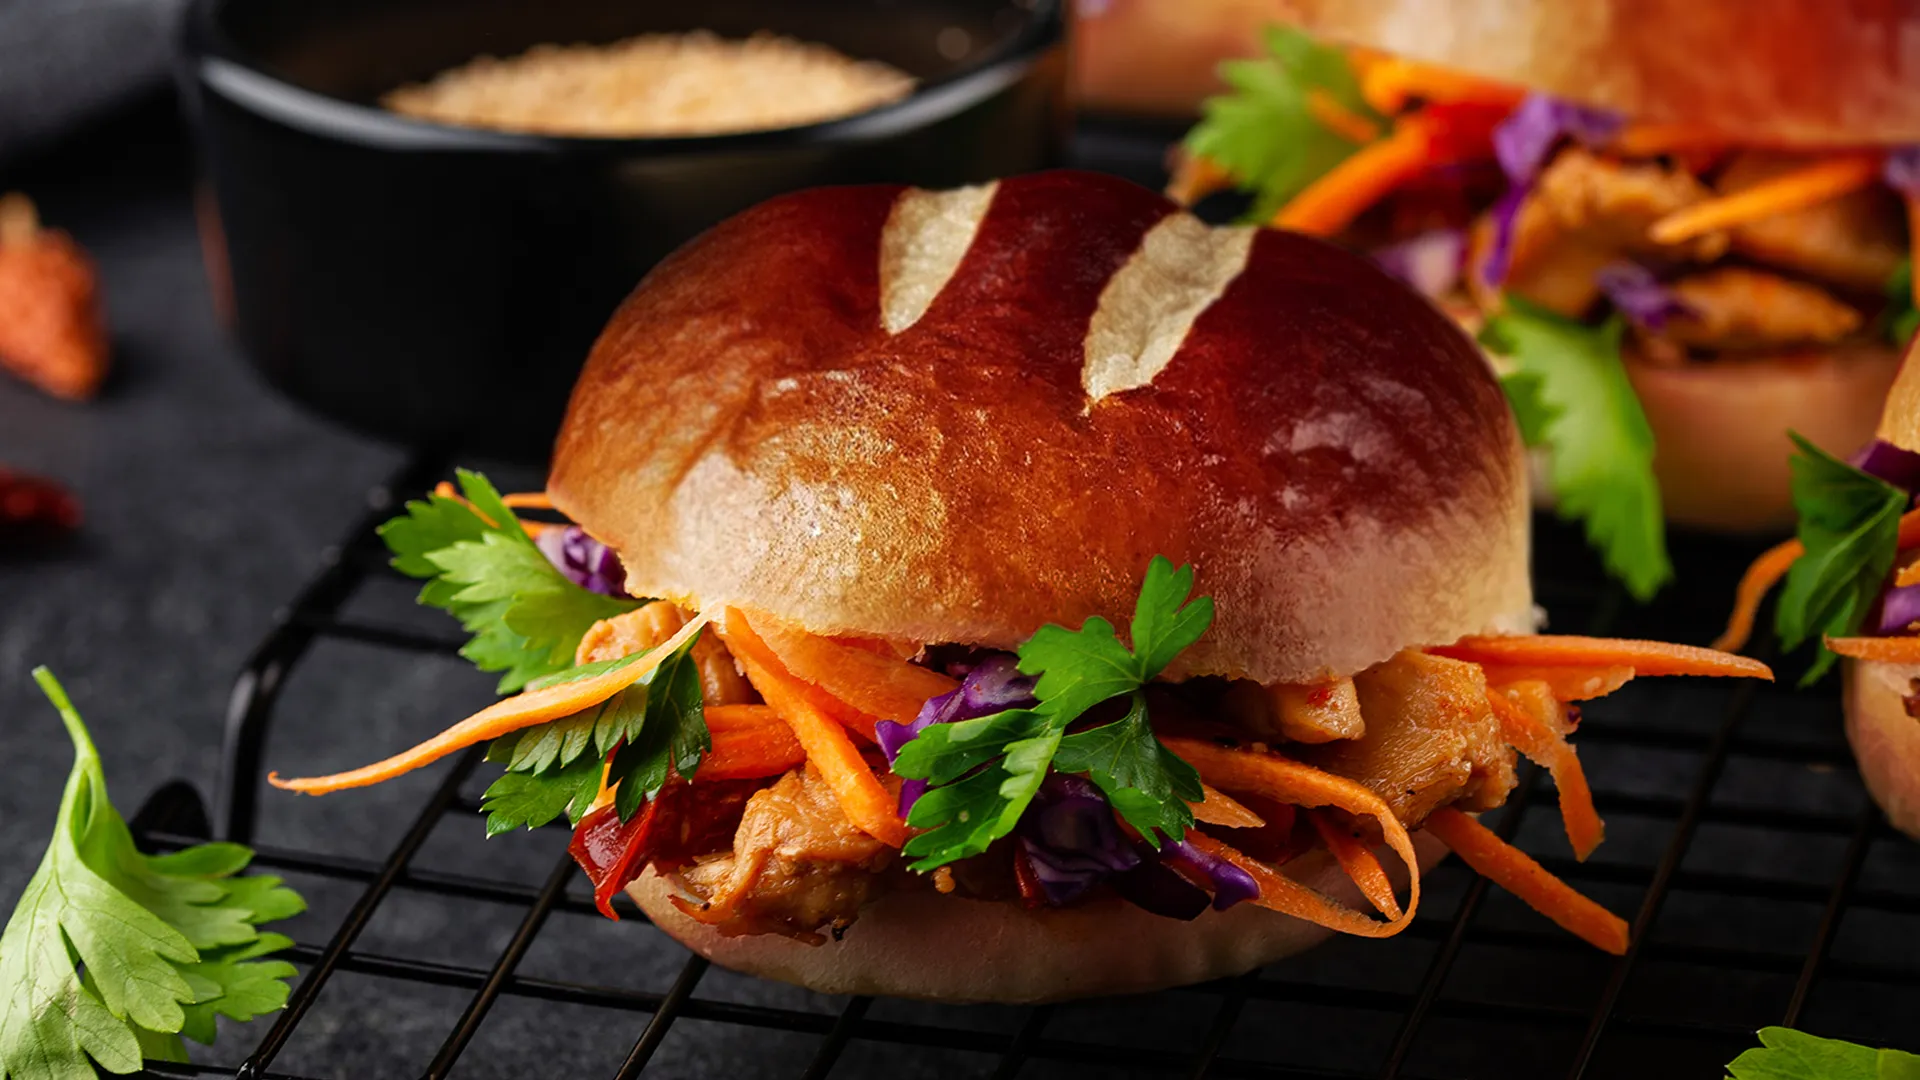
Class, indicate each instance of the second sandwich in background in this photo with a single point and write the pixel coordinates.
(1673, 250)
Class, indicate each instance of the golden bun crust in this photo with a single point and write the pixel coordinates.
(1810, 72)
(1098, 380)
(1886, 741)
(1001, 952)
(1720, 428)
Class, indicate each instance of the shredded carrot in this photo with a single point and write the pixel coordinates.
(749, 741)
(1533, 721)
(1340, 120)
(1218, 808)
(1808, 186)
(1515, 871)
(1569, 650)
(1389, 83)
(883, 687)
(1567, 683)
(1755, 584)
(1358, 861)
(1651, 140)
(532, 528)
(501, 718)
(866, 802)
(1913, 242)
(1195, 177)
(1343, 193)
(1907, 575)
(528, 500)
(1295, 783)
(1886, 650)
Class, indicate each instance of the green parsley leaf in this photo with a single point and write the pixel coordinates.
(1264, 133)
(1147, 783)
(984, 772)
(159, 938)
(526, 618)
(1902, 318)
(1850, 527)
(1786, 1054)
(653, 729)
(1570, 394)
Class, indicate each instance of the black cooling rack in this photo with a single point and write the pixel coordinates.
(1762, 885)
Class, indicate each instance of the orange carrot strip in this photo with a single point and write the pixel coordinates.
(1533, 721)
(1338, 119)
(1567, 683)
(1755, 584)
(748, 745)
(1292, 782)
(1886, 650)
(1194, 178)
(1515, 871)
(1358, 861)
(1344, 192)
(1650, 139)
(1907, 575)
(1569, 650)
(528, 500)
(866, 802)
(531, 528)
(500, 718)
(1808, 186)
(1913, 241)
(1218, 808)
(1389, 83)
(880, 686)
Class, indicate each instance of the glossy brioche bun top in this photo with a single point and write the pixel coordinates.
(1788, 71)
(957, 416)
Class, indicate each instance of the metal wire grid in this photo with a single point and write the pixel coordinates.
(174, 818)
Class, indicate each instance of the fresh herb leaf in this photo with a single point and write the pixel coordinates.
(163, 940)
(985, 771)
(526, 618)
(1786, 1054)
(1902, 318)
(1265, 133)
(1850, 528)
(652, 729)
(1148, 784)
(1570, 394)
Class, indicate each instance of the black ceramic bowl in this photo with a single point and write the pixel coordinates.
(440, 285)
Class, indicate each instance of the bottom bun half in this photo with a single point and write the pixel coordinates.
(945, 948)
(1886, 741)
(1720, 428)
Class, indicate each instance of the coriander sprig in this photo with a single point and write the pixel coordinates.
(984, 772)
(1850, 528)
(112, 955)
(481, 567)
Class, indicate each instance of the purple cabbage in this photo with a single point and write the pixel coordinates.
(990, 686)
(1902, 171)
(1882, 459)
(1637, 294)
(1231, 885)
(1522, 143)
(1069, 836)
(1430, 262)
(1899, 609)
(585, 561)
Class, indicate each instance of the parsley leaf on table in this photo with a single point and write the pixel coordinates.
(481, 567)
(1265, 133)
(653, 728)
(1786, 1054)
(165, 941)
(1850, 528)
(985, 771)
(1570, 394)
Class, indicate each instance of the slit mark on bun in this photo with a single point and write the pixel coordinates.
(1181, 267)
(926, 236)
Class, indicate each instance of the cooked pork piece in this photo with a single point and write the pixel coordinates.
(1431, 741)
(797, 865)
(1852, 241)
(1298, 712)
(1614, 203)
(1737, 308)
